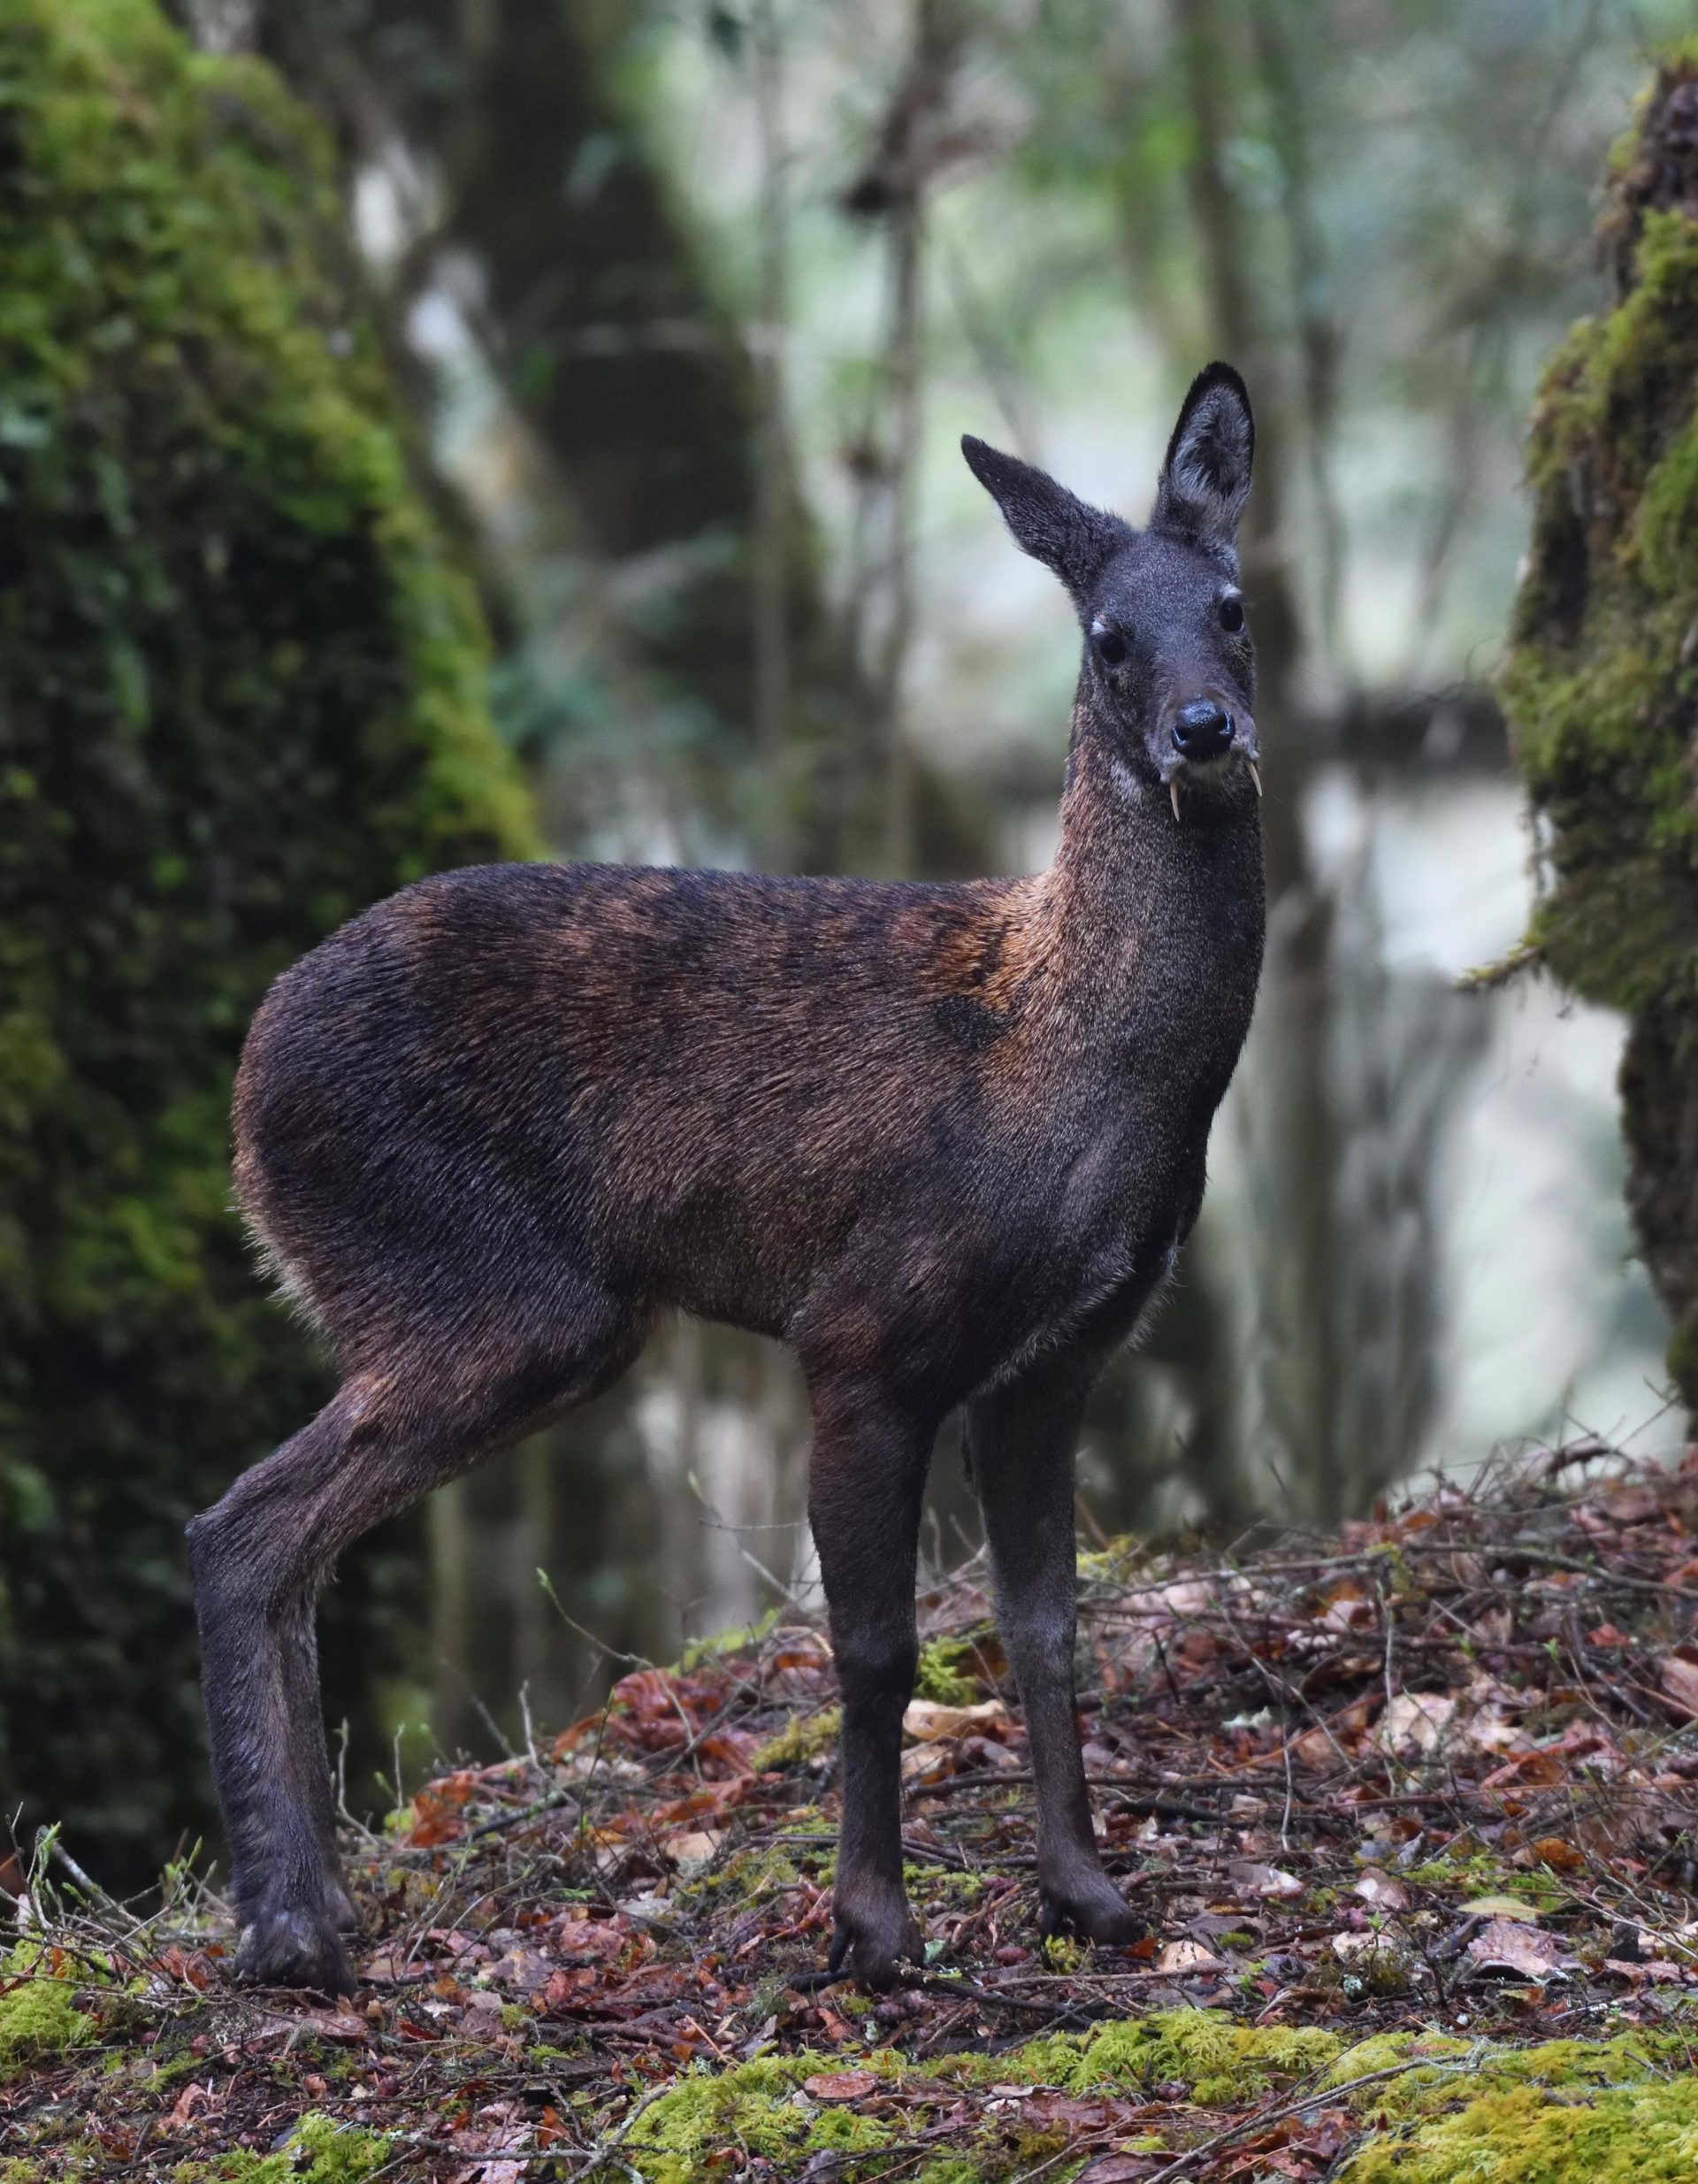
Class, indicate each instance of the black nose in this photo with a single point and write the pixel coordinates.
(1203, 730)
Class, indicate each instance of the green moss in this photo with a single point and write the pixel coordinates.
(1453, 2100)
(1601, 680)
(38, 2018)
(760, 2108)
(1217, 2059)
(319, 2150)
(241, 694)
(942, 1673)
(337, 2153)
(801, 1738)
(1643, 2133)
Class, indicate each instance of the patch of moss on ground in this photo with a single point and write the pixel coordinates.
(319, 2150)
(760, 2108)
(1216, 2058)
(38, 2018)
(1455, 2109)
(945, 1673)
(1564, 2067)
(802, 1738)
(1642, 2134)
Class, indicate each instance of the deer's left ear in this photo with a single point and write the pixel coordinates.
(1206, 479)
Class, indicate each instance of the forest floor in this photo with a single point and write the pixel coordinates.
(1412, 1812)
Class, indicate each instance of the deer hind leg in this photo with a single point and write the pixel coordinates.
(396, 1428)
(867, 1481)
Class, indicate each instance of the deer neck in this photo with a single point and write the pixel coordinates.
(1151, 907)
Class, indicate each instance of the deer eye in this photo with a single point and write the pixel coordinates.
(1231, 611)
(1111, 646)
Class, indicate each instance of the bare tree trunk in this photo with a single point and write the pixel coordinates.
(774, 490)
(908, 229)
(1208, 71)
(894, 187)
(1318, 333)
(1297, 1142)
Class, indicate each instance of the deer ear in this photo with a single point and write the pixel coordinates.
(1206, 479)
(1051, 524)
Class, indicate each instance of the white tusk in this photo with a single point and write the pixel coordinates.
(1255, 774)
(1173, 791)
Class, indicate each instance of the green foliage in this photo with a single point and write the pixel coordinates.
(1601, 678)
(240, 695)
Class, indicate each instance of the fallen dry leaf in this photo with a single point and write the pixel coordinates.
(1187, 1596)
(1657, 1972)
(191, 2101)
(1380, 1889)
(1186, 1957)
(1414, 1722)
(1252, 1878)
(1552, 1850)
(840, 2085)
(693, 1849)
(1678, 1680)
(1499, 1907)
(1347, 1606)
(929, 1720)
(1507, 1945)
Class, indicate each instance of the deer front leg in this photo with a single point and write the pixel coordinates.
(1020, 1439)
(867, 1475)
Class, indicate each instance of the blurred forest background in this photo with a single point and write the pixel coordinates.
(676, 310)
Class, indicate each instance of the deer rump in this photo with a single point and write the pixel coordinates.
(822, 1110)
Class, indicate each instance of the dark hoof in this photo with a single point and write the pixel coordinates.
(293, 1949)
(874, 1948)
(1091, 1909)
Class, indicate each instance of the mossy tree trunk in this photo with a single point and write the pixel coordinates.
(1601, 678)
(240, 695)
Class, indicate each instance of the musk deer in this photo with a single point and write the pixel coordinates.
(944, 1140)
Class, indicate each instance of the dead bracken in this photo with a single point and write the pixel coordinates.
(1408, 1811)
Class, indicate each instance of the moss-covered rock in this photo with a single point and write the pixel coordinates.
(1601, 678)
(240, 695)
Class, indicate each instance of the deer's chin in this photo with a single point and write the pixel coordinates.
(1207, 775)
(1188, 779)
